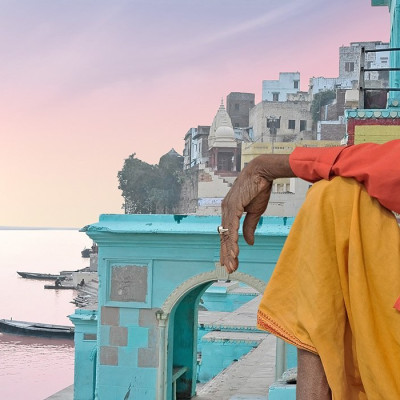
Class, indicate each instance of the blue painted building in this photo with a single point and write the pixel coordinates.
(153, 270)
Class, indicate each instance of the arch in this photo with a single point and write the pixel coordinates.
(180, 292)
(219, 273)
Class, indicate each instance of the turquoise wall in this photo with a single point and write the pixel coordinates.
(217, 301)
(152, 271)
(219, 354)
(85, 337)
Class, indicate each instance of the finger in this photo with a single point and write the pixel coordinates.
(249, 227)
(229, 247)
(254, 211)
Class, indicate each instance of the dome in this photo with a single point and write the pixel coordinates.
(224, 132)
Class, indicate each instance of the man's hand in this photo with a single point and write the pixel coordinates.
(250, 193)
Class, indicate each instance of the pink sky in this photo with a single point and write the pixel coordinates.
(87, 83)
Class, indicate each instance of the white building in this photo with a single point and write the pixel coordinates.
(289, 82)
(196, 146)
(349, 68)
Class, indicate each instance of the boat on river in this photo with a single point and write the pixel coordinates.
(36, 329)
(38, 275)
(62, 287)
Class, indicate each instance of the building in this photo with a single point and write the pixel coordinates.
(281, 120)
(331, 124)
(222, 146)
(349, 61)
(238, 106)
(349, 68)
(196, 146)
(278, 90)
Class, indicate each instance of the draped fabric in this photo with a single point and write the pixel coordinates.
(333, 290)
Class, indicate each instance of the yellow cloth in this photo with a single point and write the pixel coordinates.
(333, 290)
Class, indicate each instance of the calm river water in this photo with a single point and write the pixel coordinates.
(34, 368)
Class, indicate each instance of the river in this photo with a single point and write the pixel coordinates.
(35, 368)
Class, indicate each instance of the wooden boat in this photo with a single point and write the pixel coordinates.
(62, 287)
(36, 329)
(38, 275)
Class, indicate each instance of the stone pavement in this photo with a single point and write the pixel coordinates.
(246, 379)
(65, 394)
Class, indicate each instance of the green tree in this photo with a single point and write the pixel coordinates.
(319, 100)
(149, 189)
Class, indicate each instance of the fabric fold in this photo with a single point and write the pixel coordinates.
(334, 286)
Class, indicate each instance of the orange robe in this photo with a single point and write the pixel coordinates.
(334, 286)
(376, 166)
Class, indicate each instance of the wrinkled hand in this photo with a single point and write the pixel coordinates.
(250, 193)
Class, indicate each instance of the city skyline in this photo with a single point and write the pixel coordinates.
(86, 84)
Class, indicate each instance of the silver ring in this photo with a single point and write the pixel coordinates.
(222, 230)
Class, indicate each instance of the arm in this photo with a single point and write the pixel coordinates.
(375, 166)
(249, 193)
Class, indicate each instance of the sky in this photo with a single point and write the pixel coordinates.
(86, 83)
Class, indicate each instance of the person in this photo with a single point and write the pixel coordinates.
(58, 282)
(82, 283)
(312, 300)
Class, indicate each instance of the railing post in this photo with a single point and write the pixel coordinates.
(361, 81)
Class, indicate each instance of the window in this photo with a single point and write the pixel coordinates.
(292, 124)
(275, 96)
(236, 107)
(277, 122)
(296, 84)
(303, 125)
(349, 66)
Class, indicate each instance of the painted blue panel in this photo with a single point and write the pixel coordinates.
(106, 392)
(226, 302)
(138, 336)
(291, 356)
(281, 391)
(128, 316)
(104, 335)
(218, 355)
(128, 357)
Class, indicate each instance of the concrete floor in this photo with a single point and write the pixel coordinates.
(65, 394)
(248, 378)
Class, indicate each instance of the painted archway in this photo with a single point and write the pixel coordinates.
(178, 317)
(152, 269)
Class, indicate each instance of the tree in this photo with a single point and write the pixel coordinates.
(149, 189)
(321, 99)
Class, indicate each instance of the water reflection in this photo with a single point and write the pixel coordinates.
(33, 367)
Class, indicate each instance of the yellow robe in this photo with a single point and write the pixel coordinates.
(334, 287)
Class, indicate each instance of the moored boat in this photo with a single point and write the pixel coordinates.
(36, 329)
(38, 275)
(59, 287)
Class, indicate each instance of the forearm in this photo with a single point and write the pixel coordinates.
(271, 166)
